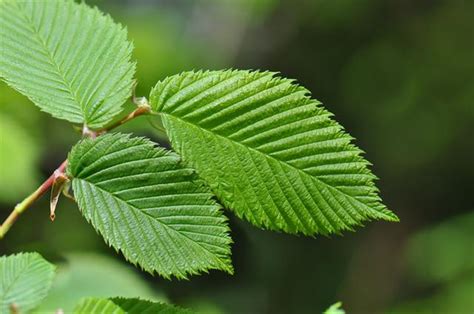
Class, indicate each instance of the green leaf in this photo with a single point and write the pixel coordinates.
(25, 279)
(269, 152)
(149, 206)
(443, 253)
(122, 306)
(335, 309)
(69, 59)
(141, 306)
(440, 265)
(94, 275)
(98, 306)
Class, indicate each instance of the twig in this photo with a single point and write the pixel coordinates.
(21, 207)
(142, 108)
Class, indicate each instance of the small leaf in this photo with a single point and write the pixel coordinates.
(269, 152)
(149, 206)
(122, 306)
(25, 279)
(69, 59)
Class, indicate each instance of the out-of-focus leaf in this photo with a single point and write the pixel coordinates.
(11, 101)
(93, 275)
(440, 260)
(444, 252)
(336, 308)
(455, 297)
(25, 279)
(255, 8)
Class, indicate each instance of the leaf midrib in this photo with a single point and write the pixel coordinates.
(20, 274)
(59, 71)
(275, 159)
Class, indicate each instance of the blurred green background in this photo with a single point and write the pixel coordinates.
(398, 74)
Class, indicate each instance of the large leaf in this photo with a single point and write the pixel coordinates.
(69, 59)
(122, 306)
(269, 152)
(149, 206)
(94, 275)
(24, 281)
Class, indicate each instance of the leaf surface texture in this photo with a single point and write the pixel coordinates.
(146, 204)
(71, 60)
(24, 281)
(269, 152)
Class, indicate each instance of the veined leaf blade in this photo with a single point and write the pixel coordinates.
(25, 279)
(97, 306)
(138, 306)
(129, 306)
(269, 152)
(69, 59)
(146, 204)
